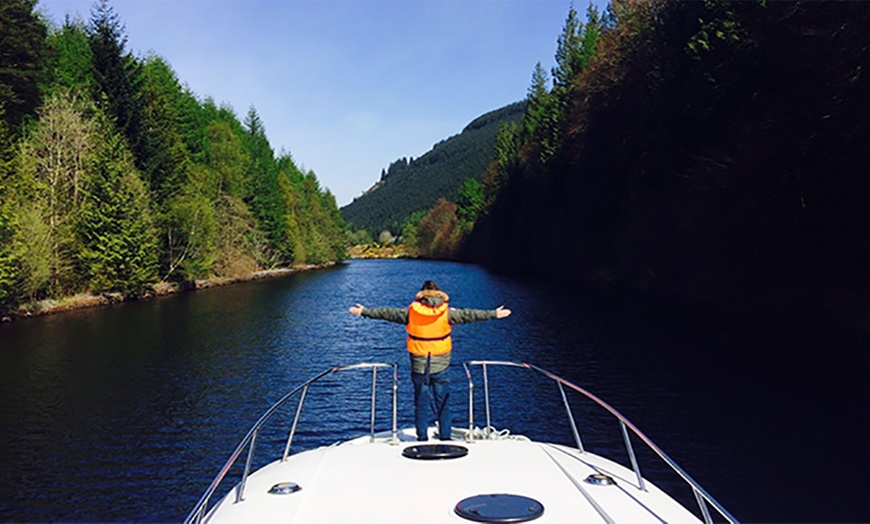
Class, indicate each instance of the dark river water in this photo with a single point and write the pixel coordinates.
(126, 413)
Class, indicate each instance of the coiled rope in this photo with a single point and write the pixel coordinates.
(490, 433)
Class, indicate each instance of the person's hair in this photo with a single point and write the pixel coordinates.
(429, 284)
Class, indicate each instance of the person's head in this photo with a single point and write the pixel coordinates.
(429, 284)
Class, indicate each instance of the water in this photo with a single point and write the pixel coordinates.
(126, 413)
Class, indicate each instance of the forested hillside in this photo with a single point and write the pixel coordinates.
(414, 185)
(113, 176)
(709, 152)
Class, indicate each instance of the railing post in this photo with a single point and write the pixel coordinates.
(295, 421)
(240, 495)
(486, 400)
(704, 511)
(395, 402)
(640, 483)
(470, 408)
(374, 390)
(571, 418)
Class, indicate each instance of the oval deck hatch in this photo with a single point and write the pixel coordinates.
(499, 507)
(435, 451)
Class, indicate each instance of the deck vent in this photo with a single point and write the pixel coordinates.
(598, 479)
(435, 451)
(284, 488)
(499, 507)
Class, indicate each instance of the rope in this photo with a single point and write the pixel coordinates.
(490, 433)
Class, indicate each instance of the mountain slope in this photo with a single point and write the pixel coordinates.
(410, 186)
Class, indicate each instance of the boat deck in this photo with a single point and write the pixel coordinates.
(365, 481)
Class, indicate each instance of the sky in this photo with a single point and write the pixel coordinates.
(347, 86)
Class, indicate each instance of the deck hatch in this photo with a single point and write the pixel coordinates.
(435, 451)
(499, 507)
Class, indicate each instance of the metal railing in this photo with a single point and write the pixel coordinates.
(701, 496)
(250, 439)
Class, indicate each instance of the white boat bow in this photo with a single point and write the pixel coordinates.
(479, 476)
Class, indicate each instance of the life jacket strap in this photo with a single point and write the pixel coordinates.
(428, 339)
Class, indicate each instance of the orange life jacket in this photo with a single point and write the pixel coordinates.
(428, 330)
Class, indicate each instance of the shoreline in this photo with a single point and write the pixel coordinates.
(160, 289)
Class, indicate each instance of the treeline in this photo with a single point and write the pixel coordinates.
(114, 176)
(711, 152)
(410, 186)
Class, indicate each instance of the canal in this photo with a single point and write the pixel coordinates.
(125, 413)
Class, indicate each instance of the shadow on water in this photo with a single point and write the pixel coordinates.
(126, 413)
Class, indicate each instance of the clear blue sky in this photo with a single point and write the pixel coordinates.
(346, 87)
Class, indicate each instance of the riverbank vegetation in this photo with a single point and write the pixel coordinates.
(114, 176)
(709, 153)
(706, 154)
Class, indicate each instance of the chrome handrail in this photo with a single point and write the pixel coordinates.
(701, 495)
(199, 511)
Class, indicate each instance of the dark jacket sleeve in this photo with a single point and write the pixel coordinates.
(464, 316)
(390, 314)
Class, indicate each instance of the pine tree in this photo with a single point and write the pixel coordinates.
(539, 114)
(119, 243)
(70, 62)
(262, 179)
(118, 75)
(569, 60)
(469, 203)
(166, 162)
(22, 48)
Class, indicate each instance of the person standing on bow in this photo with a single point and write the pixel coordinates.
(428, 321)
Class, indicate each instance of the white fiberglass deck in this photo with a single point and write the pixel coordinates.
(364, 481)
(497, 479)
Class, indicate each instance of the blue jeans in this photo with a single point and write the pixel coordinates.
(439, 385)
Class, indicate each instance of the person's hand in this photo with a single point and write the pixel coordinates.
(356, 310)
(501, 312)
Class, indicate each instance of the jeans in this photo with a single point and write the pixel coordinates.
(439, 385)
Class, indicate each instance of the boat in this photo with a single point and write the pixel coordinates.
(481, 475)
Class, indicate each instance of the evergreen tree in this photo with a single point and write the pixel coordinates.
(226, 158)
(591, 33)
(238, 244)
(192, 125)
(70, 62)
(569, 52)
(165, 157)
(507, 151)
(118, 75)
(469, 203)
(262, 176)
(22, 48)
(115, 228)
(539, 107)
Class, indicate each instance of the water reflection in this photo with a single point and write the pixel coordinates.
(127, 412)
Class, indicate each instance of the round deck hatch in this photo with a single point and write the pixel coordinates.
(499, 507)
(435, 451)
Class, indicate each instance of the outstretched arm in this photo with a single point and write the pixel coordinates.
(390, 314)
(464, 316)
